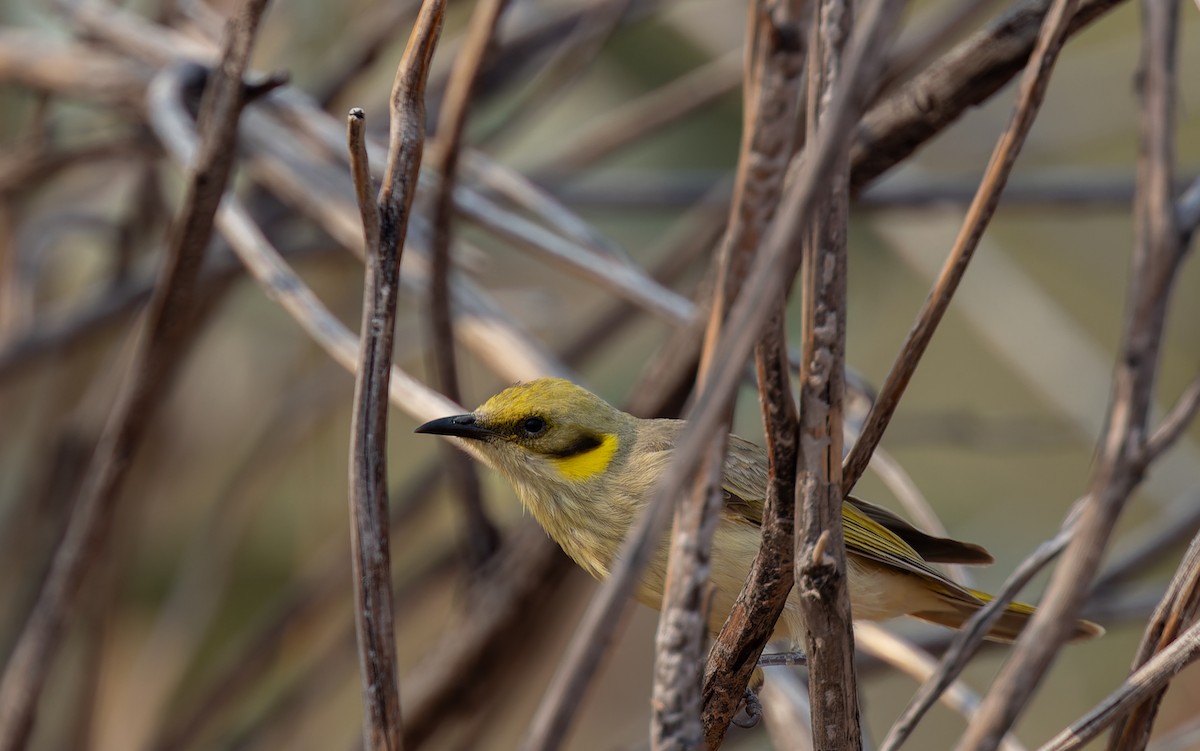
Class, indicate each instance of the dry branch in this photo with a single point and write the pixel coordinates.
(1033, 90)
(156, 361)
(384, 231)
(1175, 612)
(821, 573)
(1138, 687)
(778, 38)
(1118, 466)
(482, 538)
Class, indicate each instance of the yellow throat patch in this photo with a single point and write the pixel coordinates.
(587, 464)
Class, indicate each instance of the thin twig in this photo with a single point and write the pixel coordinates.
(1174, 424)
(482, 537)
(1155, 259)
(970, 636)
(1033, 90)
(369, 540)
(384, 232)
(157, 359)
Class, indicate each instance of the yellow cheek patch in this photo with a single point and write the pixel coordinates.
(587, 464)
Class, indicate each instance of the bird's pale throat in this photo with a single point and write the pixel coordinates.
(587, 458)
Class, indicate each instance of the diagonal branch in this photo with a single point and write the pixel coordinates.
(1033, 90)
(1118, 466)
(773, 266)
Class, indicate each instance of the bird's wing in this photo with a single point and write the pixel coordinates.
(930, 548)
(871, 532)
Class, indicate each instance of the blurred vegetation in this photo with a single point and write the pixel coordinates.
(235, 508)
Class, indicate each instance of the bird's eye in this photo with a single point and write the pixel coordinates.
(533, 426)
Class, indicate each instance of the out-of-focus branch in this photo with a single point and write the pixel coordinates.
(482, 538)
(157, 359)
(964, 77)
(1139, 686)
(1175, 612)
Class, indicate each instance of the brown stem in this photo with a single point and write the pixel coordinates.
(1118, 467)
(979, 215)
(385, 225)
(821, 574)
(482, 538)
(156, 361)
(778, 36)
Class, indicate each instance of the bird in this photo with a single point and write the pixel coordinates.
(584, 470)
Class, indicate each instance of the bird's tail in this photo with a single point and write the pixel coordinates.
(962, 605)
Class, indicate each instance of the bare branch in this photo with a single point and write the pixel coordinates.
(156, 361)
(965, 76)
(1033, 90)
(482, 538)
(1155, 258)
(821, 572)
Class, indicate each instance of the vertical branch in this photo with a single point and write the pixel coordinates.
(1119, 464)
(767, 144)
(385, 225)
(820, 562)
(369, 539)
(481, 534)
(156, 360)
(777, 36)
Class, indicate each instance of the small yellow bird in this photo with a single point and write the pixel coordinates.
(585, 469)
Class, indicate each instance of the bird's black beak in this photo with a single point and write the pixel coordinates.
(462, 426)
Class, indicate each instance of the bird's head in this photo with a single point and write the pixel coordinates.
(544, 431)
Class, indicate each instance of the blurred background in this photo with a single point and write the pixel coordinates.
(221, 616)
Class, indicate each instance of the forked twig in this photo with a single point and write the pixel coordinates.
(384, 230)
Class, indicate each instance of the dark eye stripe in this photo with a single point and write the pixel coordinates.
(580, 445)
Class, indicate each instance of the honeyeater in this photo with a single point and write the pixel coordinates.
(584, 469)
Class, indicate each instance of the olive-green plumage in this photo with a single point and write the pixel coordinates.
(584, 469)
